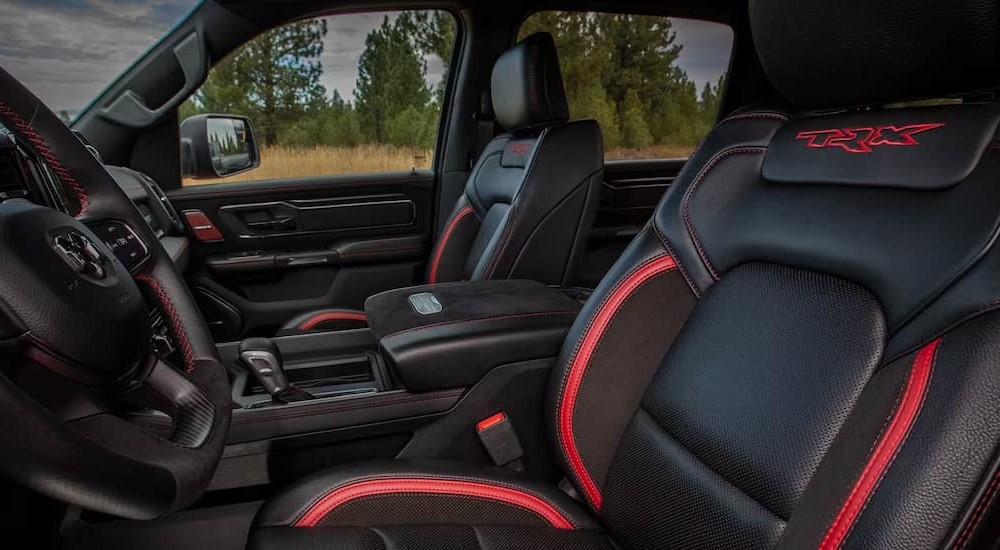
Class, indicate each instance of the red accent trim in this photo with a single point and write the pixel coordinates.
(578, 366)
(519, 147)
(885, 450)
(43, 149)
(175, 321)
(861, 140)
(436, 260)
(488, 423)
(478, 489)
(332, 316)
(203, 227)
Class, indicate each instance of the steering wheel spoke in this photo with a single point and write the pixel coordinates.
(183, 412)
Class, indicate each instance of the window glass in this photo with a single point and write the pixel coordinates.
(68, 51)
(653, 83)
(336, 95)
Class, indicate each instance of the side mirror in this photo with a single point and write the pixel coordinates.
(216, 146)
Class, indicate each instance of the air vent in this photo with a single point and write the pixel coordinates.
(11, 177)
(154, 188)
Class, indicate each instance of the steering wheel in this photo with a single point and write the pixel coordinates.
(75, 342)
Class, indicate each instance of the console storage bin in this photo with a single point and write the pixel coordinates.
(449, 335)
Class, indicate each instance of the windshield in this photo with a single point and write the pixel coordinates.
(68, 51)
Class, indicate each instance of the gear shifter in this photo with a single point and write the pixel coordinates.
(262, 358)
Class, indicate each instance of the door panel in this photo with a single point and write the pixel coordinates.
(629, 195)
(267, 251)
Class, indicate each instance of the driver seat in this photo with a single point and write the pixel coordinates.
(822, 368)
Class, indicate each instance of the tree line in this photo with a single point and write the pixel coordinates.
(618, 69)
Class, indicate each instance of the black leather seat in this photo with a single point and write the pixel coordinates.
(801, 350)
(531, 198)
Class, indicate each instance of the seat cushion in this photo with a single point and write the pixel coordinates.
(364, 507)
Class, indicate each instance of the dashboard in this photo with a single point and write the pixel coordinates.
(23, 177)
(156, 209)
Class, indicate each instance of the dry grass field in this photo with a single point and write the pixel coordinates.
(280, 162)
(651, 152)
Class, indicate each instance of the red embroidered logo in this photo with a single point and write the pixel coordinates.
(861, 140)
(519, 147)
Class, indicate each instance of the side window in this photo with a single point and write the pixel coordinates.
(653, 83)
(336, 95)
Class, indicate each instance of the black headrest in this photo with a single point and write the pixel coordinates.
(527, 86)
(846, 53)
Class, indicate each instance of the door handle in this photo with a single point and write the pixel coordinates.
(282, 222)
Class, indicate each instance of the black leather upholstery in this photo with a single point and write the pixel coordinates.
(527, 85)
(801, 349)
(532, 196)
(482, 325)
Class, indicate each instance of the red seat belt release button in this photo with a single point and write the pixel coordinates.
(501, 442)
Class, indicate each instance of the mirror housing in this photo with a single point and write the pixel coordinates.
(216, 146)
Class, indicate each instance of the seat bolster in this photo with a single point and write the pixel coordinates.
(402, 492)
(447, 261)
(646, 283)
(323, 320)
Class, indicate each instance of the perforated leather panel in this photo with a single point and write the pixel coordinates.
(744, 407)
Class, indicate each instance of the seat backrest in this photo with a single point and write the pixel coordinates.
(802, 349)
(531, 198)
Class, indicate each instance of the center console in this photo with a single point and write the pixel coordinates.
(435, 360)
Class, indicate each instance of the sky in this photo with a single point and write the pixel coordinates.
(67, 51)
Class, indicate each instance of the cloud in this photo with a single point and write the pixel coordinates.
(345, 40)
(67, 51)
(706, 49)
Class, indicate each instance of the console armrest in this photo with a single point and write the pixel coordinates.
(467, 328)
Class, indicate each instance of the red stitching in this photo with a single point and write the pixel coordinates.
(494, 318)
(477, 489)
(686, 208)
(42, 148)
(175, 322)
(581, 359)
(775, 116)
(459, 216)
(680, 267)
(978, 512)
(888, 447)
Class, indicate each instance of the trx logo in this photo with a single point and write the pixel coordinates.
(862, 140)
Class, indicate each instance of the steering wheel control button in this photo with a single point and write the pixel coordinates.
(80, 253)
(425, 303)
(123, 242)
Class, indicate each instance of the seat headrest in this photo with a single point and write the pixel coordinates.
(849, 53)
(527, 86)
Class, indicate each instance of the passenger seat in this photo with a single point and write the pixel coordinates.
(532, 196)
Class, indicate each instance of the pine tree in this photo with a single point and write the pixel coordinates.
(273, 79)
(635, 132)
(390, 79)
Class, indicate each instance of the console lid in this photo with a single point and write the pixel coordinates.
(449, 335)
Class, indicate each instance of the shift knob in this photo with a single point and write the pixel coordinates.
(262, 358)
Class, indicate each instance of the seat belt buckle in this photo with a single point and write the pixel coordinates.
(498, 436)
